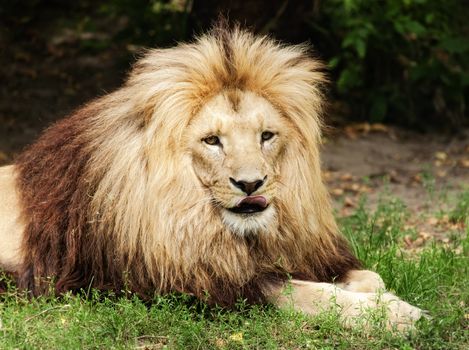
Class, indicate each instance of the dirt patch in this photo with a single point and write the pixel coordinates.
(411, 166)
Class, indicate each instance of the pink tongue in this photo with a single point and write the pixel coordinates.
(258, 200)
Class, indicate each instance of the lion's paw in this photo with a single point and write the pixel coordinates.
(401, 316)
(363, 309)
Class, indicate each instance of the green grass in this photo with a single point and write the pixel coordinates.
(436, 278)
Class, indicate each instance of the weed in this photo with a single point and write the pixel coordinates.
(461, 212)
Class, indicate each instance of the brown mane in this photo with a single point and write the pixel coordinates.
(90, 201)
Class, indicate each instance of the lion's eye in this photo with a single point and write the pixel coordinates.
(212, 140)
(267, 135)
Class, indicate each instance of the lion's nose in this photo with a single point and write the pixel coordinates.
(248, 186)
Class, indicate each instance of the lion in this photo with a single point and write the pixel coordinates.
(200, 175)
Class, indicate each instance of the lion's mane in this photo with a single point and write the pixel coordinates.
(110, 199)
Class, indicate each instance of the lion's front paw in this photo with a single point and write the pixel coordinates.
(401, 316)
(363, 309)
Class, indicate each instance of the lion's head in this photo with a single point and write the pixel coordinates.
(242, 115)
(237, 141)
(201, 173)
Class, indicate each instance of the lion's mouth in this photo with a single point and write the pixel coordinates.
(250, 205)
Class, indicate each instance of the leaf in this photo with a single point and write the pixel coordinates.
(349, 5)
(334, 62)
(441, 156)
(360, 46)
(416, 28)
(405, 26)
(455, 44)
(429, 18)
(350, 203)
(237, 337)
(464, 163)
(337, 192)
(356, 40)
(349, 78)
(349, 41)
(379, 108)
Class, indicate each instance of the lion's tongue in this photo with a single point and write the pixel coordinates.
(256, 200)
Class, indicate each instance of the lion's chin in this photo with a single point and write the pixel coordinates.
(246, 224)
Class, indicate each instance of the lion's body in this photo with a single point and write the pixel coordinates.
(135, 191)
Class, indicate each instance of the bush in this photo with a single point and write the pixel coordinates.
(401, 61)
(150, 22)
(394, 61)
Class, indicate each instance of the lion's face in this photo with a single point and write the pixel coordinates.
(236, 143)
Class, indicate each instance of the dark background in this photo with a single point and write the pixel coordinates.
(401, 62)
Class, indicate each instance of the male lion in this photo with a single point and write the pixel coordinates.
(200, 175)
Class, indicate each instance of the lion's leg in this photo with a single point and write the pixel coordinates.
(364, 281)
(314, 298)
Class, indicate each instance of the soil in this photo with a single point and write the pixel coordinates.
(411, 166)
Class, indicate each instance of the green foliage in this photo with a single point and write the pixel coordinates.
(150, 22)
(404, 61)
